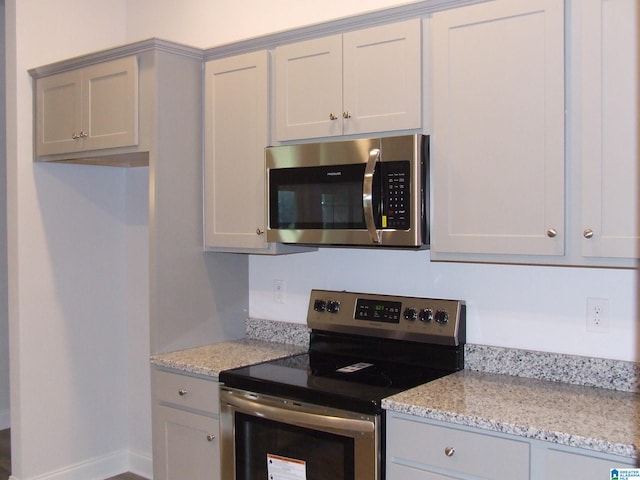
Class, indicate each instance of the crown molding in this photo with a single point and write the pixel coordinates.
(151, 44)
(341, 25)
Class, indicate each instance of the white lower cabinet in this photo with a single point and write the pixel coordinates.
(186, 427)
(409, 473)
(561, 464)
(422, 449)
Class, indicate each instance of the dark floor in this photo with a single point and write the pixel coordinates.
(5, 460)
(5, 454)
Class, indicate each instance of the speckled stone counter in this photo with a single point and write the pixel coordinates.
(597, 419)
(492, 392)
(210, 360)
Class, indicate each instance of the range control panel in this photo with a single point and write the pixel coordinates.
(404, 318)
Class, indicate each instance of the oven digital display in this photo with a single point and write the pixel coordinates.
(378, 311)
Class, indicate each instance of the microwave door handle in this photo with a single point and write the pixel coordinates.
(367, 195)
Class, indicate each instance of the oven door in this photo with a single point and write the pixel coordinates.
(265, 437)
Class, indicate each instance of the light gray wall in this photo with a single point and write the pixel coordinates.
(4, 323)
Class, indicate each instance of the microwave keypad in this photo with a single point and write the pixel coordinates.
(397, 195)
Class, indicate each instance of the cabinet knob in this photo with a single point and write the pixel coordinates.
(75, 136)
(588, 233)
(449, 451)
(182, 392)
(552, 232)
(346, 114)
(211, 437)
(84, 134)
(259, 231)
(332, 116)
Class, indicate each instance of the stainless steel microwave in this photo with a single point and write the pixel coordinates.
(364, 192)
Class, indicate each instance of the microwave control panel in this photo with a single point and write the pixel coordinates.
(396, 195)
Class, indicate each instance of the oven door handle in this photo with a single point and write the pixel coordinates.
(322, 422)
(367, 195)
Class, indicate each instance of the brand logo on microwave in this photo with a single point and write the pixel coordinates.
(334, 174)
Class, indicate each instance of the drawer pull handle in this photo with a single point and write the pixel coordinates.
(449, 451)
(211, 437)
(182, 392)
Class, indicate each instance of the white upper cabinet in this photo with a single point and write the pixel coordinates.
(236, 133)
(363, 81)
(91, 108)
(610, 217)
(497, 147)
(236, 125)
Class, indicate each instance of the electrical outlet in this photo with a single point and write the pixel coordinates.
(278, 291)
(597, 315)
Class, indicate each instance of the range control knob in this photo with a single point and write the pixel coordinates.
(425, 315)
(441, 317)
(410, 313)
(319, 305)
(333, 306)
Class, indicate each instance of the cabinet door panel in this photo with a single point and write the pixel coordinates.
(184, 448)
(309, 89)
(236, 126)
(609, 150)
(403, 472)
(571, 465)
(382, 78)
(498, 128)
(59, 113)
(110, 104)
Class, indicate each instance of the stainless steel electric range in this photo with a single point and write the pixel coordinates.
(318, 415)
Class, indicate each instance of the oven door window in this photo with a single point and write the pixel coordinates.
(316, 455)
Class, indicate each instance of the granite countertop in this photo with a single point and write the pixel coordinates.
(210, 360)
(585, 417)
(567, 405)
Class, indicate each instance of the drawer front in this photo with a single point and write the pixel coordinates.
(187, 392)
(476, 454)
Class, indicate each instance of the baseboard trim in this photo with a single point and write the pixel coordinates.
(104, 466)
(140, 464)
(5, 419)
(96, 468)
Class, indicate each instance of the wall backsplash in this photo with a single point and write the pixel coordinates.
(514, 306)
(573, 369)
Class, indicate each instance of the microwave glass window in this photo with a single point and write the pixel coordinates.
(323, 456)
(325, 206)
(327, 198)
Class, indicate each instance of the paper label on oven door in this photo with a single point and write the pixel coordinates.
(355, 367)
(283, 468)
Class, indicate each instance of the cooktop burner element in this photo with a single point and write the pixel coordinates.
(363, 348)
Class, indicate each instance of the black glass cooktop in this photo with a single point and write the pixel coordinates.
(346, 382)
